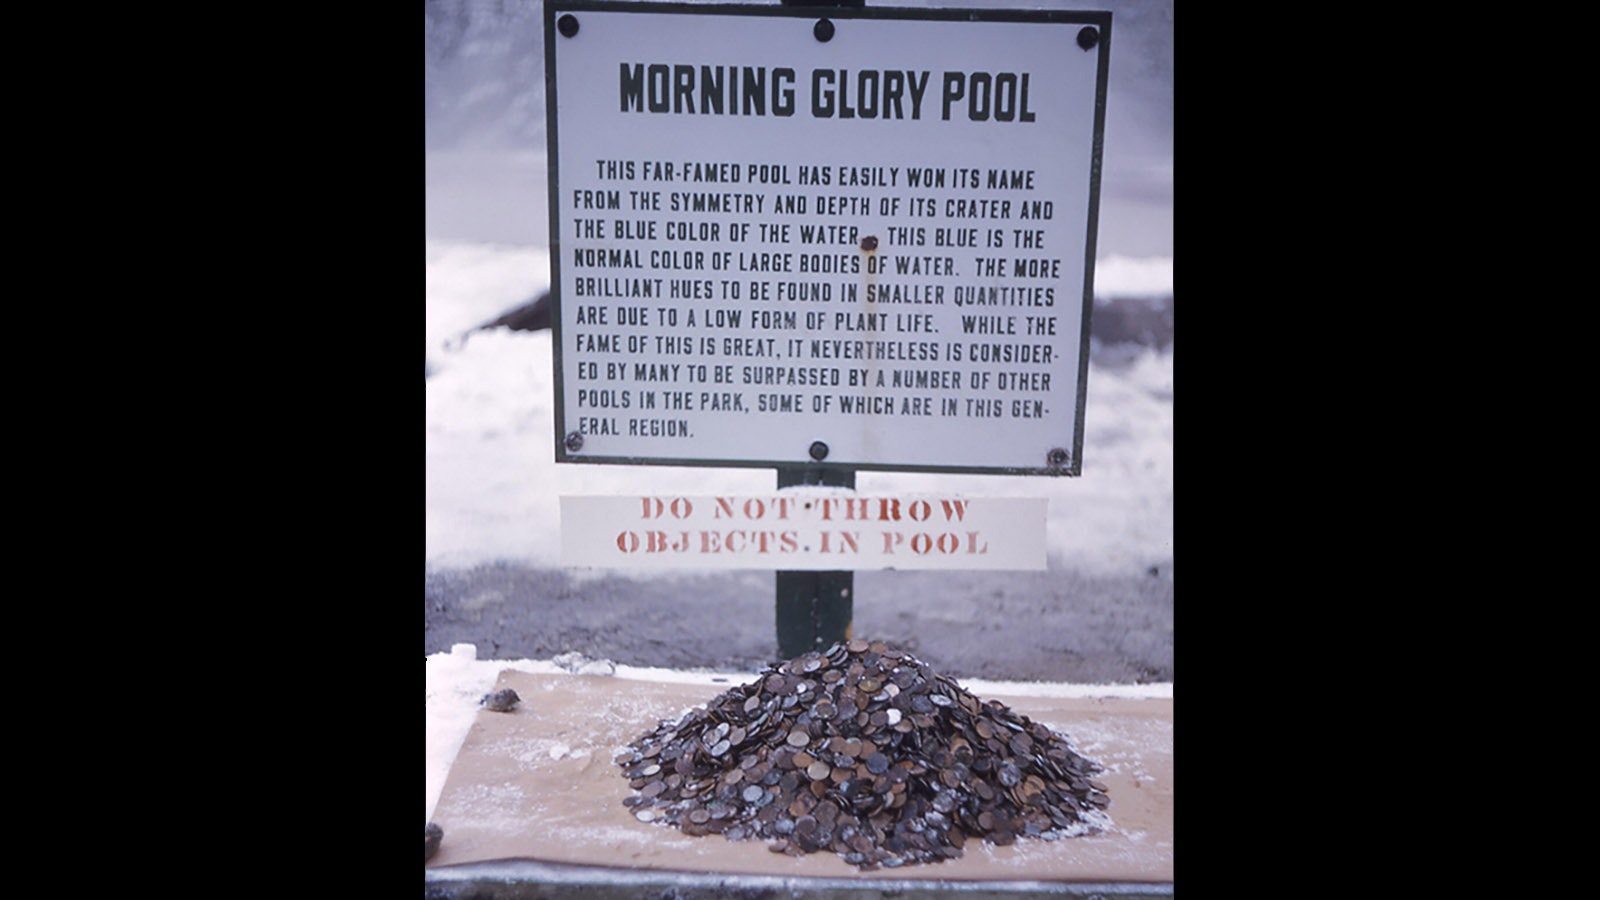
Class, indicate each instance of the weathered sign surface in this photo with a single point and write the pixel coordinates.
(804, 529)
(856, 237)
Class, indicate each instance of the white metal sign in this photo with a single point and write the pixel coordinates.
(860, 238)
(804, 529)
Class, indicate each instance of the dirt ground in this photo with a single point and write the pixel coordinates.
(1038, 626)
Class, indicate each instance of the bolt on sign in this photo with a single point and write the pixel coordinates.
(861, 238)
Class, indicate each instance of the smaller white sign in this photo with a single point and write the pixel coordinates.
(804, 528)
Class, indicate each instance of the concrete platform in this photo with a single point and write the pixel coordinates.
(531, 805)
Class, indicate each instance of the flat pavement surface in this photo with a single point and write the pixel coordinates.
(536, 786)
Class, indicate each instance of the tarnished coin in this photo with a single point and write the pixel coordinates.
(863, 751)
(1009, 774)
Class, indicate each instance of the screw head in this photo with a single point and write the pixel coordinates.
(823, 30)
(574, 442)
(1088, 37)
(1057, 458)
(819, 451)
(568, 25)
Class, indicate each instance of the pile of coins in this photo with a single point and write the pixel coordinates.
(863, 751)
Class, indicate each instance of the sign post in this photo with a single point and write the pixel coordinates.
(814, 608)
(823, 239)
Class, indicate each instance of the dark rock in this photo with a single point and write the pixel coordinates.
(503, 700)
(434, 834)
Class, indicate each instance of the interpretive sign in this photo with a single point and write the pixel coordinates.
(855, 238)
(804, 529)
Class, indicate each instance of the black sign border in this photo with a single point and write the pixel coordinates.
(1101, 20)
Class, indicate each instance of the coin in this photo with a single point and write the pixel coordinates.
(864, 751)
